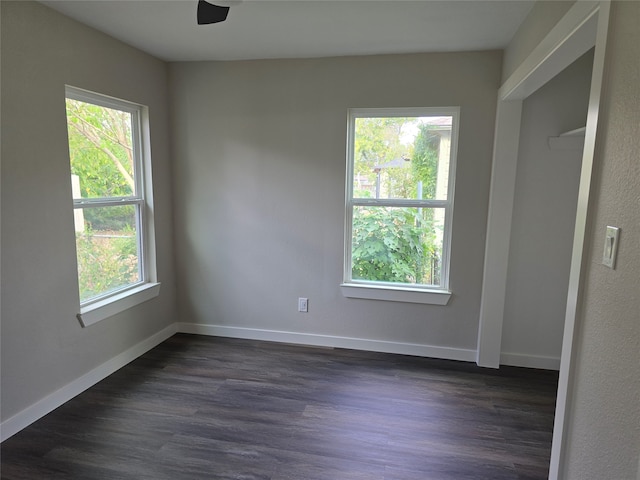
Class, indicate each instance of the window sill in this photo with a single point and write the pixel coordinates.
(396, 294)
(117, 303)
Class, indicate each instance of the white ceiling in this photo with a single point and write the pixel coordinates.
(257, 29)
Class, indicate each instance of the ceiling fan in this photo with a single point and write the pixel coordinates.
(214, 13)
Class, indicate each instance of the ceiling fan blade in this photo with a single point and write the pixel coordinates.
(209, 13)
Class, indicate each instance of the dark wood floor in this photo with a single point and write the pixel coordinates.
(211, 408)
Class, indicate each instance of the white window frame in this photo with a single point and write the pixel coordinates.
(400, 292)
(114, 302)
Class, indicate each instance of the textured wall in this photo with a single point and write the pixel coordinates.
(43, 345)
(604, 429)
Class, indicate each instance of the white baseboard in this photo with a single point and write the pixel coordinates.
(530, 361)
(13, 425)
(330, 341)
(26, 417)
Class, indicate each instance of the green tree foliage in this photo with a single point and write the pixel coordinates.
(395, 244)
(424, 161)
(377, 140)
(101, 155)
(105, 262)
(377, 144)
(386, 243)
(100, 146)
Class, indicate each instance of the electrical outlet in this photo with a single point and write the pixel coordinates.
(303, 304)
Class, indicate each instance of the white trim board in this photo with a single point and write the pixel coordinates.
(584, 26)
(26, 417)
(565, 399)
(496, 256)
(573, 35)
(329, 341)
(419, 350)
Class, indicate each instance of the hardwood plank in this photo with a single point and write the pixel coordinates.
(213, 408)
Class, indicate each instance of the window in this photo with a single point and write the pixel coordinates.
(400, 181)
(110, 188)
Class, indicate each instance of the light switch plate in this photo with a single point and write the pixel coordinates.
(610, 247)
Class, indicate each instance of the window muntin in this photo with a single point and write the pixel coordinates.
(401, 165)
(105, 150)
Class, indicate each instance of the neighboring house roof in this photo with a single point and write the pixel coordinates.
(396, 162)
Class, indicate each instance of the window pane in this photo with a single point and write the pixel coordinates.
(101, 150)
(402, 245)
(107, 248)
(402, 158)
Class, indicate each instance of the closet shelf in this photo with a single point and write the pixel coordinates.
(572, 140)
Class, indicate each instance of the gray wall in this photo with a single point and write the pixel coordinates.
(259, 191)
(240, 129)
(603, 437)
(43, 345)
(544, 215)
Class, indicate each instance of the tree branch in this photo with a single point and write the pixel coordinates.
(94, 138)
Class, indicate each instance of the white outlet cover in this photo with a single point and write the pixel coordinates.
(303, 304)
